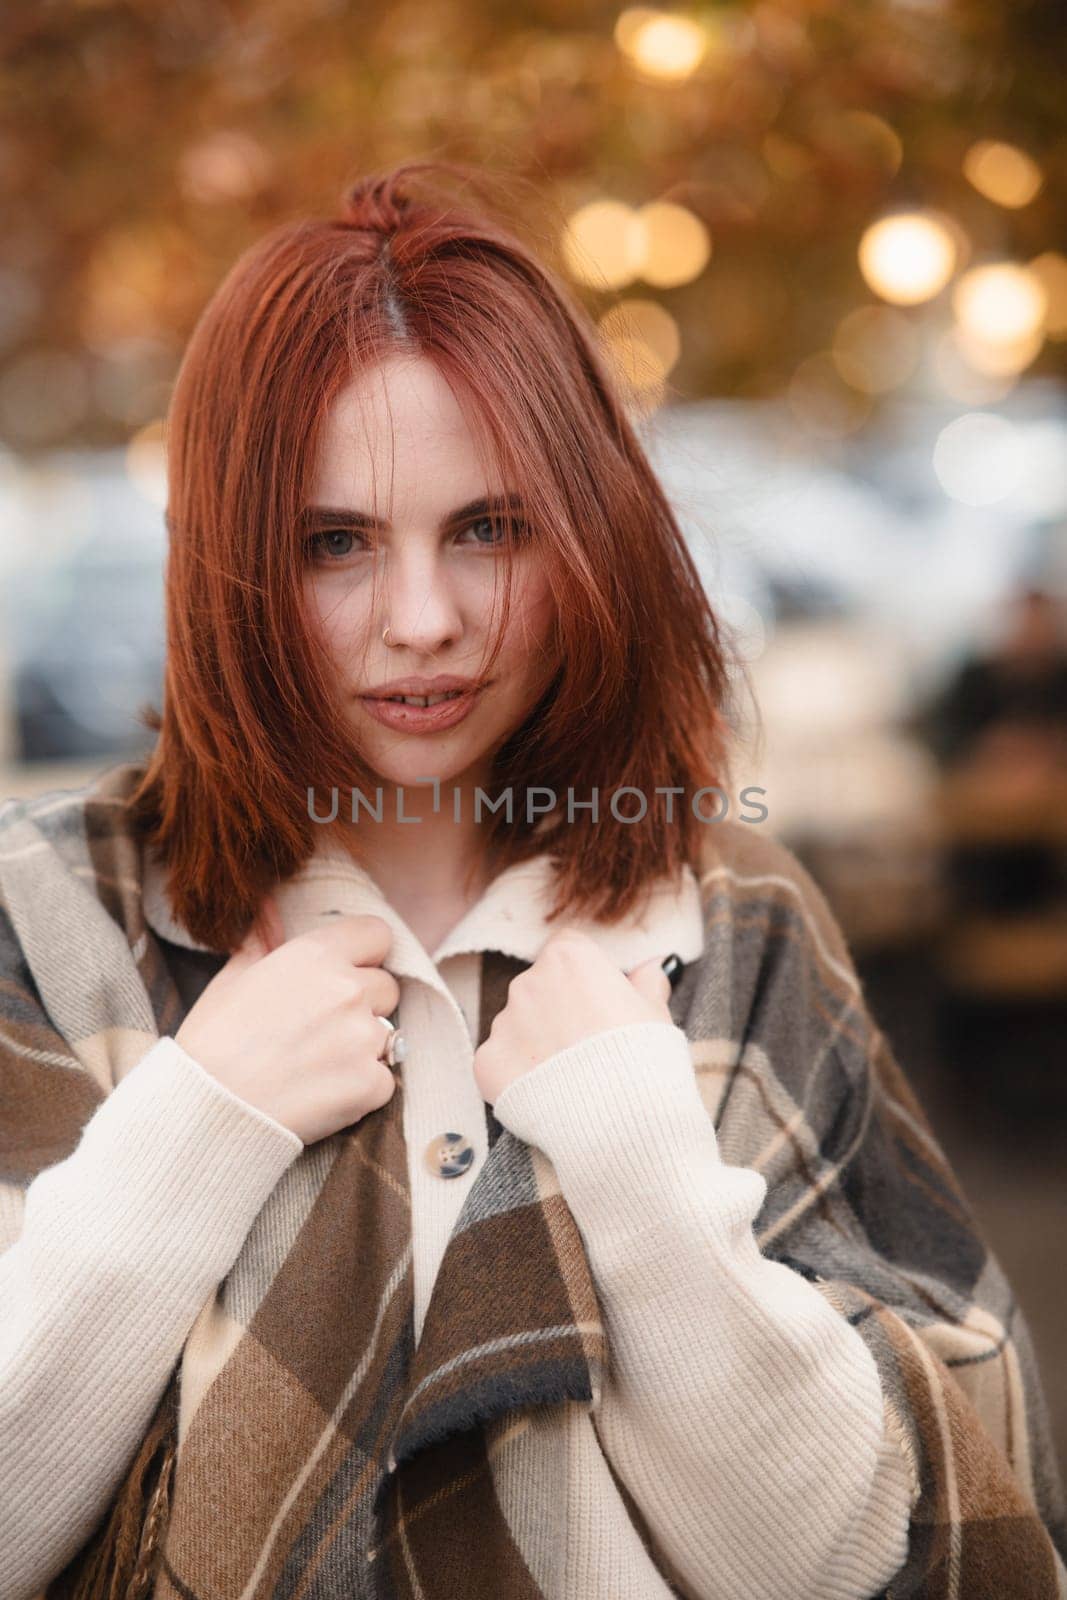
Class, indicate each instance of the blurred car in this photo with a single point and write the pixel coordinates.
(81, 611)
(88, 654)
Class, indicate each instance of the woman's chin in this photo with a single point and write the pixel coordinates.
(429, 759)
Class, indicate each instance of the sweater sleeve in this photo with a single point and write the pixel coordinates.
(108, 1257)
(816, 1161)
(741, 1411)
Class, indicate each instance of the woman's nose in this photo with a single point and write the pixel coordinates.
(418, 601)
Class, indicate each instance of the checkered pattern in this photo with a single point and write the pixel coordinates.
(321, 1453)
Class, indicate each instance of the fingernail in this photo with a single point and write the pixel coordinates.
(673, 966)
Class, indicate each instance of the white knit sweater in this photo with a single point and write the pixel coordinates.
(743, 1413)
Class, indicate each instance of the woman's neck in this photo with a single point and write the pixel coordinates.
(431, 870)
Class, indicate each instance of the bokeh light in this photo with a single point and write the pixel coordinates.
(1000, 314)
(603, 244)
(1000, 304)
(675, 246)
(1002, 172)
(641, 343)
(646, 325)
(908, 257)
(1042, 488)
(607, 244)
(1050, 269)
(661, 44)
(978, 458)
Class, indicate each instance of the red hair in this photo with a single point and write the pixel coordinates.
(249, 720)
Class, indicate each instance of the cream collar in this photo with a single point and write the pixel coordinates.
(509, 917)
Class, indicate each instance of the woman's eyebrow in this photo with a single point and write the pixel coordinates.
(485, 505)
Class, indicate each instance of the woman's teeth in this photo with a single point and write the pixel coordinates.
(423, 699)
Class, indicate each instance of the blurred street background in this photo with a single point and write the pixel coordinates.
(823, 245)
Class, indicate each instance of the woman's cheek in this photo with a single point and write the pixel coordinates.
(339, 617)
(533, 622)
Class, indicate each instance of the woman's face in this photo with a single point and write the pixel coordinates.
(440, 567)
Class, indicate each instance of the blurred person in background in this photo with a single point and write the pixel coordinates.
(1004, 710)
(998, 728)
(592, 1288)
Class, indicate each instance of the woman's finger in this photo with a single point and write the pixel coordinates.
(650, 980)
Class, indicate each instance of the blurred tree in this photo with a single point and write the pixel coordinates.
(147, 142)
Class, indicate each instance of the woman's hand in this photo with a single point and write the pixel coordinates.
(293, 1026)
(570, 992)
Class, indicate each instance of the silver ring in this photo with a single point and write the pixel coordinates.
(395, 1047)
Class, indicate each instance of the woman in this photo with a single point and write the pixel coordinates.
(592, 1289)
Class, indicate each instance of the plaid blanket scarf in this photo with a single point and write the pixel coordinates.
(381, 1475)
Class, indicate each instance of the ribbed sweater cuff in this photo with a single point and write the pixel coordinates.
(621, 1119)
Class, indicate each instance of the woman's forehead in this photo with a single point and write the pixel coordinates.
(397, 446)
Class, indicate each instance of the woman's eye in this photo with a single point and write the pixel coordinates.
(497, 525)
(335, 544)
(332, 544)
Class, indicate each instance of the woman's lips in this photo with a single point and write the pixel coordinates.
(422, 719)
